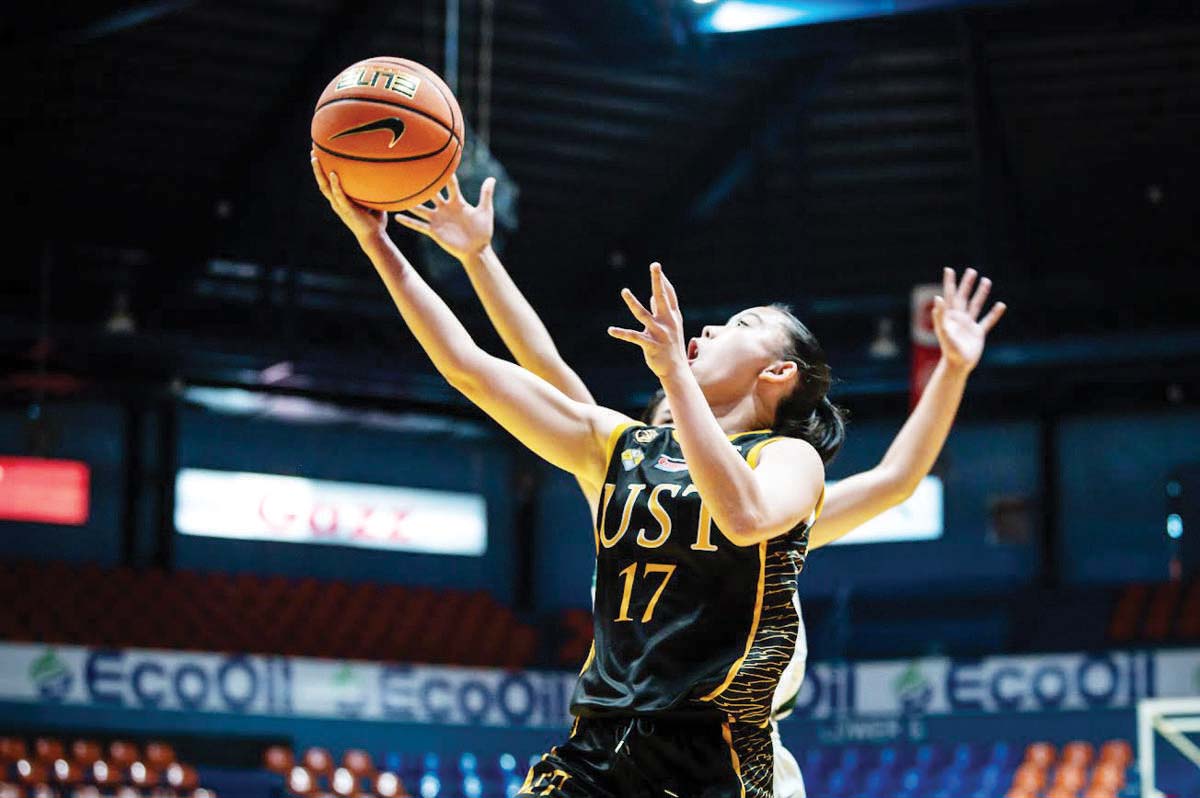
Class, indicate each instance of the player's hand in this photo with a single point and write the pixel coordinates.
(363, 222)
(661, 338)
(462, 229)
(960, 331)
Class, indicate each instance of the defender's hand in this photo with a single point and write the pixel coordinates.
(462, 229)
(960, 331)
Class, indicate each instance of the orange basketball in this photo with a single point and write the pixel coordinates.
(392, 131)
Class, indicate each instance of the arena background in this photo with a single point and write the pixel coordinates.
(179, 300)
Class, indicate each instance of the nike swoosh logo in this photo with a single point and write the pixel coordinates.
(392, 123)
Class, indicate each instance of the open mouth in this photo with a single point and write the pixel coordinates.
(693, 349)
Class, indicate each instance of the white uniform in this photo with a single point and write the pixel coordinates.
(789, 783)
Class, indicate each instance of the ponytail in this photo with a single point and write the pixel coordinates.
(807, 413)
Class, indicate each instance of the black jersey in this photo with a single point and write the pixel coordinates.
(685, 622)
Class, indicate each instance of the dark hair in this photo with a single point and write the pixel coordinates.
(807, 413)
(651, 406)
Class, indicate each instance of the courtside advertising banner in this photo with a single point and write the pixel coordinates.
(245, 506)
(919, 517)
(298, 687)
(283, 686)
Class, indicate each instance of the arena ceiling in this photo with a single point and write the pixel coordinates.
(159, 150)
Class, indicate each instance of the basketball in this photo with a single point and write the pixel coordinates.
(391, 129)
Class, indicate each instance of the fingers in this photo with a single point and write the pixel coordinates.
(964, 288)
(322, 180)
(404, 220)
(938, 315)
(948, 288)
(976, 307)
(335, 187)
(422, 211)
(656, 288)
(993, 316)
(669, 292)
(637, 308)
(452, 190)
(486, 194)
(632, 336)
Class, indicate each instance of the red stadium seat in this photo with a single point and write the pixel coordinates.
(159, 755)
(279, 759)
(301, 781)
(1070, 777)
(318, 762)
(1109, 776)
(144, 776)
(182, 777)
(85, 752)
(122, 754)
(1061, 792)
(48, 749)
(1029, 776)
(11, 749)
(31, 773)
(1040, 754)
(345, 784)
(10, 790)
(1118, 752)
(1099, 792)
(359, 763)
(105, 775)
(1077, 753)
(67, 773)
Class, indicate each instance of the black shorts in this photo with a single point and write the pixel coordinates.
(656, 758)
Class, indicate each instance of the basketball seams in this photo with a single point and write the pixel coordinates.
(402, 159)
(409, 108)
(452, 163)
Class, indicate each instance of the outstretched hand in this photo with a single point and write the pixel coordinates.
(457, 226)
(661, 338)
(363, 222)
(960, 331)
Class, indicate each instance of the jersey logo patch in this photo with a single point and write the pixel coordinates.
(631, 457)
(645, 435)
(670, 464)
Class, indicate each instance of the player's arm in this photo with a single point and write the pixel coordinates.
(570, 434)
(748, 504)
(465, 232)
(961, 334)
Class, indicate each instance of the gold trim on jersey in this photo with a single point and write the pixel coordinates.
(752, 458)
(591, 656)
(758, 605)
(613, 437)
(756, 450)
(733, 757)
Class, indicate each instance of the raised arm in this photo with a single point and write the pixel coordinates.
(961, 334)
(570, 434)
(748, 504)
(465, 231)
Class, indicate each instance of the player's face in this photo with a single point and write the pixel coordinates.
(728, 358)
(661, 415)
